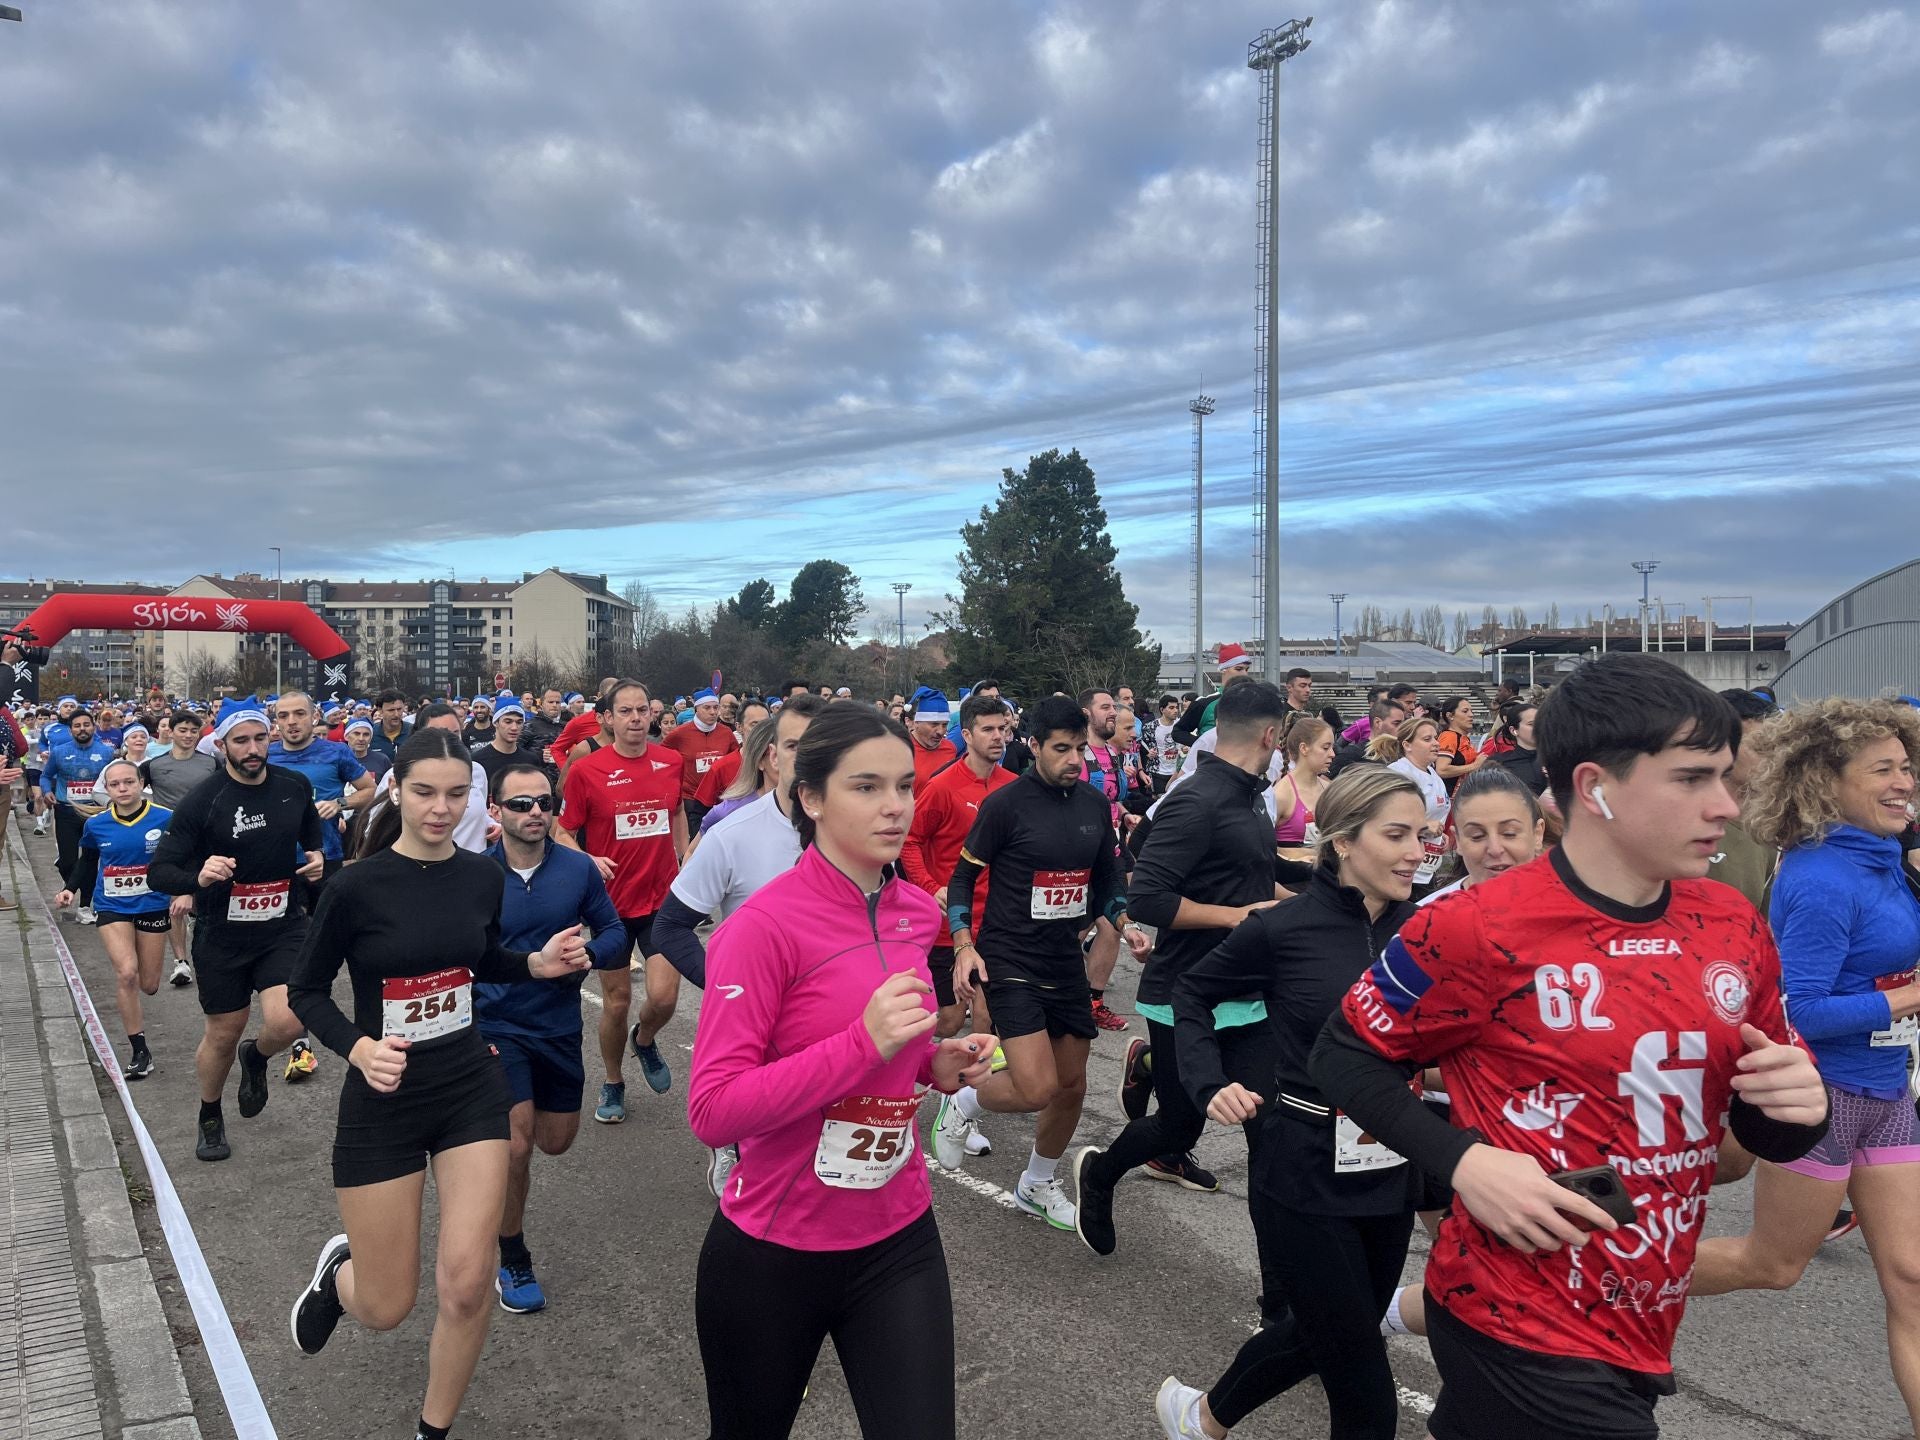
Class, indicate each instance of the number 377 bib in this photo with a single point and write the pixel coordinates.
(865, 1141)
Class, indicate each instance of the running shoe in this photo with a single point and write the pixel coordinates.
(253, 1080)
(318, 1311)
(1093, 1216)
(140, 1066)
(213, 1139)
(301, 1062)
(1178, 1407)
(86, 916)
(612, 1109)
(1136, 1080)
(978, 1144)
(1106, 1019)
(720, 1165)
(1184, 1171)
(1845, 1223)
(520, 1293)
(999, 1061)
(950, 1132)
(1047, 1200)
(6, 904)
(653, 1069)
(182, 974)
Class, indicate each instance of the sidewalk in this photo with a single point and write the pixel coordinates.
(70, 1255)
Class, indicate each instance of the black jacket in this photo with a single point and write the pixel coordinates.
(1187, 728)
(1212, 843)
(1524, 765)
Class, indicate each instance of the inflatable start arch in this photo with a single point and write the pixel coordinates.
(64, 613)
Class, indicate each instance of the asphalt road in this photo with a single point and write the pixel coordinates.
(1052, 1340)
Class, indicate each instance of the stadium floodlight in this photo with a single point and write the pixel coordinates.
(1199, 407)
(1337, 600)
(7, 12)
(1646, 569)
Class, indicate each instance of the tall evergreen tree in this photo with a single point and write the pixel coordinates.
(1041, 606)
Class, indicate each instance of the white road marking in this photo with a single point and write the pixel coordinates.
(986, 1188)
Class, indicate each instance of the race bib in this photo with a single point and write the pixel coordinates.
(79, 789)
(1060, 894)
(641, 823)
(1901, 1034)
(1434, 850)
(425, 1007)
(1355, 1152)
(123, 882)
(702, 764)
(264, 901)
(865, 1141)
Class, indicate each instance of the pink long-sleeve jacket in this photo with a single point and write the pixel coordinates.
(784, 1068)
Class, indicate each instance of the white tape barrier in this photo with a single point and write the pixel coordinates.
(245, 1408)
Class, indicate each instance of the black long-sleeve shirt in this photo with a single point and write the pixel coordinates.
(1302, 957)
(391, 917)
(1211, 843)
(1192, 722)
(267, 828)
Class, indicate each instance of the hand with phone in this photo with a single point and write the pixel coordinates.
(1514, 1197)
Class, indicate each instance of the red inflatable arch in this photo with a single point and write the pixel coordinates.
(61, 614)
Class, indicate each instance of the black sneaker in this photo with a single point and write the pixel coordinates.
(317, 1311)
(1184, 1171)
(1093, 1204)
(1136, 1080)
(253, 1080)
(213, 1140)
(140, 1066)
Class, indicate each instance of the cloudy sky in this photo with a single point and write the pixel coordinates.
(692, 292)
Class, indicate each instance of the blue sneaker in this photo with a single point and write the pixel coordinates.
(612, 1109)
(520, 1293)
(658, 1077)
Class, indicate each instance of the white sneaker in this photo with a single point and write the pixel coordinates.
(85, 915)
(182, 974)
(1049, 1201)
(977, 1143)
(1173, 1405)
(720, 1165)
(950, 1132)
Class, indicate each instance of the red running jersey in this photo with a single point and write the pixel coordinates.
(622, 808)
(1582, 1033)
(702, 752)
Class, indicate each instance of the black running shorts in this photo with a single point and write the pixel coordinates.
(640, 934)
(1493, 1391)
(940, 961)
(153, 922)
(547, 1071)
(1022, 1008)
(233, 963)
(447, 1097)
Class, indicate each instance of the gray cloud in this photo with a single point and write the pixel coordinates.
(806, 275)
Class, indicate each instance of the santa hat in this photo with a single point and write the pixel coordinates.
(1234, 657)
(237, 712)
(701, 697)
(931, 706)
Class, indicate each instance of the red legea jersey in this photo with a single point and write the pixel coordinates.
(622, 807)
(702, 753)
(1582, 1033)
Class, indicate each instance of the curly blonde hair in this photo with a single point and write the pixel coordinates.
(1392, 745)
(1791, 797)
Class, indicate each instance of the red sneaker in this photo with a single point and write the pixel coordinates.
(1106, 1019)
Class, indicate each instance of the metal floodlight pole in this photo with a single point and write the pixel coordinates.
(900, 589)
(1199, 407)
(1336, 599)
(1266, 53)
(276, 634)
(1646, 569)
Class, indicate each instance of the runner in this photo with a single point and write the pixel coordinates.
(761, 755)
(74, 761)
(392, 726)
(543, 729)
(504, 748)
(932, 750)
(340, 784)
(1234, 664)
(577, 742)
(115, 849)
(1653, 996)
(1332, 1209)
(826, 1227)
(702, 745)
(1412, 751)
(478, 730)
(13, 754)
(1106, 772)
(623, 807)
(1832, 789)
(1048, 842)
(417, 923)
(743, 853)
(1458, 757)
(357, 734)
(1206, 866)
(237, 844)
(536, 1030)
(1306, 748)
(944, 812)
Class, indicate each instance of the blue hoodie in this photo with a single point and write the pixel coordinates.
(1844, 917)
(565, 890)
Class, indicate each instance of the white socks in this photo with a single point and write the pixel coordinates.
(1040, 1170)
(1391, 1323)
(967, 1102)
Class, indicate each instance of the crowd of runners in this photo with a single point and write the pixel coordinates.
(1536, 974)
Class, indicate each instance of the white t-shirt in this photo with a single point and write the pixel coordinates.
(736, 857)
(1454, 889)
(1439, 803)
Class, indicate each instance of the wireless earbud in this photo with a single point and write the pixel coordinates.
(1600, 799)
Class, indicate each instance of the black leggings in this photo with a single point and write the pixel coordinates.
(67, 825)
(762, 1310)
(1339, 1272)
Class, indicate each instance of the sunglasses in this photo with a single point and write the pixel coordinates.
(527, 804)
